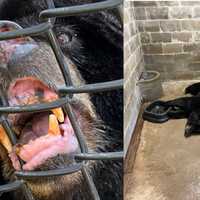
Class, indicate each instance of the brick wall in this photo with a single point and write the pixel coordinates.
(170, 36)
(133, 65)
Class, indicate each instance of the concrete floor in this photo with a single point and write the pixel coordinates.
(167, 165)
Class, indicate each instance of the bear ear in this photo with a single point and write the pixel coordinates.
(193, 89)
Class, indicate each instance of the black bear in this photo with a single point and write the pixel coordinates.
(93, 47)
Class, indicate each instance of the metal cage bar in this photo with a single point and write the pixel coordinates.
(92, 88)
(32, 31)
(81, 9)
(49, 173)
(49, 16)
(11, 186)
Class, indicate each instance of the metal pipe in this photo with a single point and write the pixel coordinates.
(93, 191)
(34, 107)
(100, 156)
(11, 186)
(92, 88)
(60, 57)
(33, 31)
(80, 9)
(76, 128)
(49, 173)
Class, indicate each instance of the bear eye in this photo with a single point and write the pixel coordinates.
(65, 38)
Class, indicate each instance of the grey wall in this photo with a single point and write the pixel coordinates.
(170, 36)
(133, 65)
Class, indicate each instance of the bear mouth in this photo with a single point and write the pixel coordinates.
(42, 135)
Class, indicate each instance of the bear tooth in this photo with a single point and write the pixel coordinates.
(58, 112)
(4, 140)
(54, 128)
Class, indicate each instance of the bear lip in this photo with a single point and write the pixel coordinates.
(38, 149)
(42, 135)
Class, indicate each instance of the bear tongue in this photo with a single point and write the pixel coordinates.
(37, 127)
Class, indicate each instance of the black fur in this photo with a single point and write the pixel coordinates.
(95, 46)
(193, 89)
(188, 104)
(186, 107)
(193, 124)
(190, 109)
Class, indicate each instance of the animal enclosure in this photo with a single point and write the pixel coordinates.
(162, 36)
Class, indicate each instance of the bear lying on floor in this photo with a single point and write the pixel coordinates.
(193, 123)
(179, 108)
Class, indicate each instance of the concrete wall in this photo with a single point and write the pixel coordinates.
(170, 36)
(133, 65)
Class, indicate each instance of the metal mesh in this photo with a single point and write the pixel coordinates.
(47, 21)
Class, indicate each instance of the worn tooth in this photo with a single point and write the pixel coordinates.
(54, 128)
(17, 150)
(16, 130)
(58, 112)
(4, 140)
